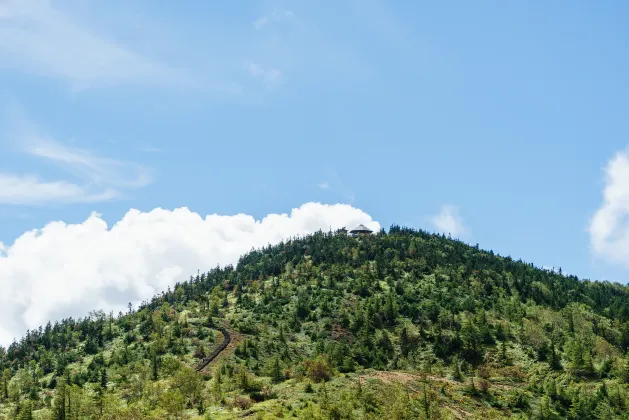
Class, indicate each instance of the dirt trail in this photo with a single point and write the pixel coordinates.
(231, 339)
(236, 338)
(389, 377)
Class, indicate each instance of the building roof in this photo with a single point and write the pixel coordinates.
(361, 229)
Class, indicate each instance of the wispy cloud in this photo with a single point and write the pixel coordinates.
(149, 149)
(324, 186)
(304, 46)
(85, 50)
(29, 189)
(95, 170)
(275, 16)
(449, 221)
(95, 178)
(271, 76)
(38, 38)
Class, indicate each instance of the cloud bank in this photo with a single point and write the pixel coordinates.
(70, 269)
(609, 228)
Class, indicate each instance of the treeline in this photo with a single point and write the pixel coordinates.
(327, 305)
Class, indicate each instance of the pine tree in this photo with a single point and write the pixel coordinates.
(554, 359)
(405, 342)
(200, 407)
(471, 341)
(59, 403)
(546, 410)
(68, 394)
(103, 378)
(624, 337)
(456, 369)
(390, 309)
(500, 332)
(624, 370)
(324, 394)
(426, 403)
(604, 411)
(276, 371)
(154, 365)
(503, 352)
(217, 390)
(570, 322)
(5, 383)
(26, 411)
(100, 398)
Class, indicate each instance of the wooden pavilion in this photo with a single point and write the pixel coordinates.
(360, 230)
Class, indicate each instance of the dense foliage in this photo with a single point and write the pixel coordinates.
(403, 324)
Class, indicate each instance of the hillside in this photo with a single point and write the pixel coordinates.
(399, 325)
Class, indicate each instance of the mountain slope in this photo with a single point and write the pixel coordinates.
(403, 324)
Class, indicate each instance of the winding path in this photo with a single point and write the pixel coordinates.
(226, 340)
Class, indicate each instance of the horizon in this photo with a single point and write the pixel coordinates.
(185, 277)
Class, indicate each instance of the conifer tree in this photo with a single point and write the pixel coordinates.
(276, 370)
(59, 402)
(391, 310)
(26, 411)
(154, 365)
(6, 374)
(503, 352)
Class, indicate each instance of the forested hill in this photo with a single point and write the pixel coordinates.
(397, 325)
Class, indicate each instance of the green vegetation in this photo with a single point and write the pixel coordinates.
(398, 325)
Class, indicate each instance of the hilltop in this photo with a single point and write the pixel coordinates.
(401, 324)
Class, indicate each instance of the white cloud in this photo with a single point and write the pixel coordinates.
(324, 186)
(609, 228)
(448, 221)
(69, 269)
(38, 38)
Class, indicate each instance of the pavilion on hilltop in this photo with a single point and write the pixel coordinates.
(360, 230)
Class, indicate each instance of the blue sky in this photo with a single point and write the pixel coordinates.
(495, 120)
